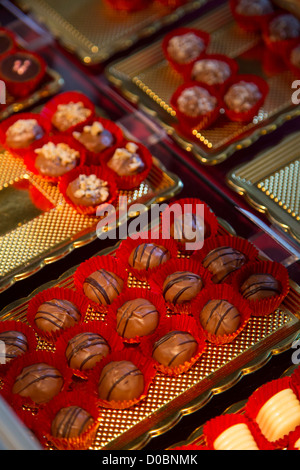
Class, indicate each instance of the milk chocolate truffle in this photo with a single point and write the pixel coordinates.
(94, 137)
(210, 71)
(120, 381)
(69, 114)
(196, 101)
(56, 159)
(23, 132)
(242, 96)
(88, 190)
(260, 286)
(20, 67)
(15, 344)
(254, 7)
(223, 261)
(186, 47)
(56, 314)
(219, 317)
(181, 287)
(137, 317)
(147, 256)
(102, 286)
(85, 350)
(187, 228)
(126, 161)
(40, 382)
(175, 348)
(70, 422)
(285, 26)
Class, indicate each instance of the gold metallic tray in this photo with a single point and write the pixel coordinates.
(170, 398)
(146, 79)
(271, 183)
(94, 31)
(38, 227)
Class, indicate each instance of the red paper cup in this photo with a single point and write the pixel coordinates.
(295, 69)
(279, 47)
(101, 173)
(66, 97)
(13, 325)
(11, 41)
(81, 302)
(132, 294)
(251, 23)
(99, 327)
(172, 3)
(175, 323)
(246, 116)
(132, 181)
(128, 5)
(178, 67)
(265, 306)
(144, 364)
(30, 156)
(64, 400)
(294, 440)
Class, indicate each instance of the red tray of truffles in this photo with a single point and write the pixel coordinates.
(169, 333)
(220, 81)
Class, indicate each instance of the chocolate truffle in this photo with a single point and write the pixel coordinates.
(181, 287)
(260, 286)
(70, 114)
(6, 42)
(285, 26)
(196, 101)
(242, 96)
(40, 382)
(210, 71)
(94, 137)
(186, 47)
(188, 227)
(120, 381)
(56, 159)
(126, 161)
(23, 132)
(220, 317)
(137, 317)
(295, 56)
(223, 261)
(86, 349)
(147, 256)
(174, 348)
(15, 345)
(20, 67)
(254, 7)
(88, 190)
(102, 286)
(70, 422)
(56, 314)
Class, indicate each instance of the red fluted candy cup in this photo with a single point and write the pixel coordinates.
(293, 67)
(172, 3)
(128, 5)
(11, 41)
(251, 23)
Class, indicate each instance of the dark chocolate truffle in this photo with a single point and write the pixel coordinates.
(196, 101)
(260, 286)
(15, 344)
(86, 349)
(220, 317)
(70, 114)
(70, 422)
(20, 67)
(57, 314)
(94, 137)
(120, 381)
(181, 286)
(102, 286)
(242, 96)
(147, 256)
(88, 190)
(138, 317)
(40, 382)
(185, 47)
(174, 348)
(23, 132)
(126, 161)
(223, 261)
(56, 159)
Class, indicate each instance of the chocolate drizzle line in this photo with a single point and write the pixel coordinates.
(167, 337)
(182, 277)
(260, 286)
(65, 426)
(149, 255)
(134, 372)
(222, 317)
(51, 317)
(126, 320)
(97, 288)
(51, 374)
(92, 340)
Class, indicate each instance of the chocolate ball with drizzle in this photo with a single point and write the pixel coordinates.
(16, 344)
(219, 317)
(85, 349)
(120, 381)
(260, 286)
(223, 261)
(70, 422)
(174, 348)
(181, 286)
(102, 286)
(147, 256)
(56, 315)
(137, 317)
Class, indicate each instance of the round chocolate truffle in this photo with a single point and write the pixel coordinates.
(254, 7)
(147, 256)
(196, 101)
(223, 261)
(260, 286)
(120, 381)
(285, 26)
(23, 132)
(56, 159)
(94, 137)
(185, 47)
(70, 114)
(188, 228)
(6, 42)
(20, 67)
(220, 317)
(242, 96)
(102, 286)
(15, 345)
(71, 422)
(137, 317)
(181, 287)
(56, 314)
(210, 71)
(174, 348)
(126, 161)
(88, 190)
(40, 382)
(86, 349)
(295, 56)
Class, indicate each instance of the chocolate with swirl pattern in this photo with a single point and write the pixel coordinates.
(102, 286)
(260, 286)
(136, 317)
(70, 422)
(219, 317)
(223, 261)
(120, 381)
(181, 286)
(16, 344)
(85, 349)
(174, 348)
(147, 256)
(56, 314)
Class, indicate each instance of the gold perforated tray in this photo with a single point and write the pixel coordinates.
(170, 398)
(38, 227)
(146, 78)
(271, 183)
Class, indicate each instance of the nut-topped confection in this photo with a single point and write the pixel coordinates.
(69, 114)
(223, 261)
(23, 132)
(254, 7)
(185, 47)
(126, 161)
(210, 71)
(55, 160)
(174, 348)
(85, 349)
(242, 96)
(284, 26)
(88, 190)
(196, 101)
(57, 314)
(94, 137)
(71, 421)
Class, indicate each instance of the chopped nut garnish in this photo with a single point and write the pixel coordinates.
(71, 114)
(60, 153)
(127, 156)
(95, 129)
(22, 125)
(92, 187)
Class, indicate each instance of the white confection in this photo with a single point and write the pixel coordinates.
(236, 437)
